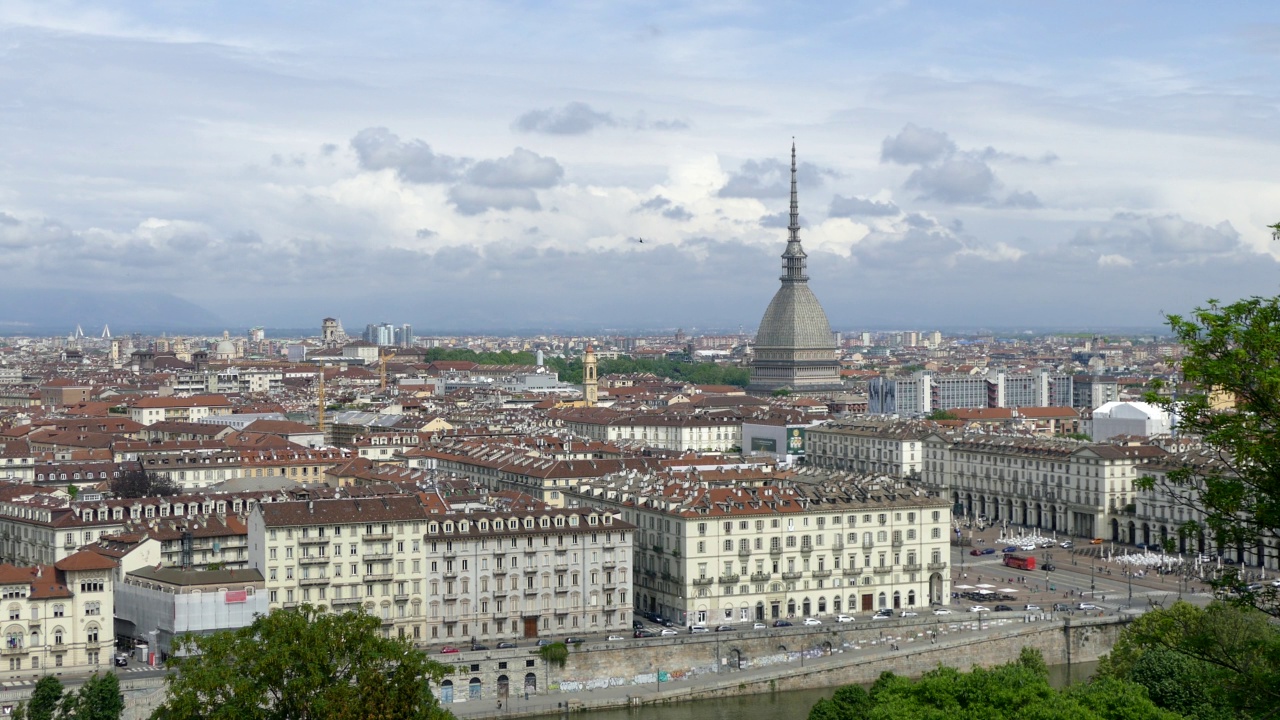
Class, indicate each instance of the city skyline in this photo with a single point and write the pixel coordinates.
(497, 167)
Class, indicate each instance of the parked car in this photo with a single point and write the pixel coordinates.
(812, 621)
(543, 641)
(881, 616)
(725, 628)
(1086, 606)
(1003, 608)
(637, 625)
(941, 611)
(1031, 608)
(1061, 607)
(505, 645)
(478, 646)
(976, 551)
(759, 626)
(979, 608)
(781, 623)
(988, 551)
(699, 629)
(669, 631)
(843, 618)
(908, 613)
(122, 659)
(643, 634)
(1067, 544)
(573, 641)
(448, 650)
(1096, 541)
(1011, 549)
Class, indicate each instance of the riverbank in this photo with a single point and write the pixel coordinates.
(962, 645)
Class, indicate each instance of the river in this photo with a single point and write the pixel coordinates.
(792, 705)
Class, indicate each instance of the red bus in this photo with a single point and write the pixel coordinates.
(1022, 563)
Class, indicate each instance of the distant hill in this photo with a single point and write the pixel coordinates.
(58, 311)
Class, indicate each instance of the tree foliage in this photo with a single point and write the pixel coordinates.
(45, 700)
(1207, 663)
(97, 699)
(1019, 689)
(555, 653)
(302, 664)
(941, 415)
(136, 483)
(1230, 352)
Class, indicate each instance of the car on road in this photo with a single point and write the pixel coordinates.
(724, 628)
(1061, 607)
(1031, 608)
(1003, 608)
(781, 623)
(843, 618)
(941, 611)
(543, 641)
(504, 645)
(478, 646)
(979, 608)
(812, 621)
(1096, 541)
(637, 625)
(613, 638)
(122, 660)
(1049, 566)
(643, 634)
(1028, 548)
(448, 650)
(881, 616)
(669, 631)
(699, 629)
(759, 626)
(1086, 606)
(908, 613)
(1066, 544)
(976, 551)
(1011, 549)
(573, 641)
(988, 551)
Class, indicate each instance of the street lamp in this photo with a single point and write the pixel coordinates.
(1129, 579)
(1093, 588)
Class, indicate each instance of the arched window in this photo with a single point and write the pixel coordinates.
(91, 634)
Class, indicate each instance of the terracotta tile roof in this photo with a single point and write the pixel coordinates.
(84, 560)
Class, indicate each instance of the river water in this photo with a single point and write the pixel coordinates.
(793, 705)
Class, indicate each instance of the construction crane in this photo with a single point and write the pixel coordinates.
(382, 368)
(320, 402)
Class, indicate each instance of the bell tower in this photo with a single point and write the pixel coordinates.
(590, 389)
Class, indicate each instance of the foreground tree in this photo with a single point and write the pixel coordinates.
(1019, 690)
(1206, 663)
(97, 699)
(1232, 365)
(44, 702)
(301, 664)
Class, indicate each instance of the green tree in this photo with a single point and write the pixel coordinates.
(1218, 661)
(1230, 351)
(302, 664)
(45, 699)
(941, 415)
(97, 699)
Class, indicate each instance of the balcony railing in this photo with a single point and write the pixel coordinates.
(882, 570)
(761, 577)
(912, 567)
(791, 575)
(806, 547)
(376, 537)
(401, 597)
(703, 581)
(376, 557)
(868, 544)
(377, 577)
(729, 579)
(744, 552)
(314, 581)
(938, 566)
(775, 550)
(345, 601)
(821, 573)
(852, 571)
(313, 540)
(313, 560)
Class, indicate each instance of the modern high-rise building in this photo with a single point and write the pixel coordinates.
(795, 349)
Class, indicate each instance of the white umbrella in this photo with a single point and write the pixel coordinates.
(1008, 590)
(962, 587)
(986, 586)
(984, 592)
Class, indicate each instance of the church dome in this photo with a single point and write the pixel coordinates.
(795, 319)
(224, 350)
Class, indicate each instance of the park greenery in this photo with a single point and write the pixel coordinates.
(1019, 689)
(97, 699)
(570, 370)
(301, 664)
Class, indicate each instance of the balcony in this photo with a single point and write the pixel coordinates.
(313, 560)
(821, 573)
(658, 549)
(938, 566)
(531, 592)
(561, 550)
(791, 575)
(450, 574)
(562, 589)
(377, 577)
(449, 554)
(852, 572)
(911, 567)
(703, 581)
(761, 577)
(897, 542)
(450, 597)
(729, 579)
(376, 537)
(775, 550)
(882, 570)
(14, 650)
(401, 597)
(313, 540)
(530, 569)
(314, 581)
(868, 544)
(609, 564)
(345, 601)
(838, 547)
(744, 552)
(531, 551)
(806, 547)
(376, 557)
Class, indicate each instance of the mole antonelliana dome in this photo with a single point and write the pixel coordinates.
(795, 348)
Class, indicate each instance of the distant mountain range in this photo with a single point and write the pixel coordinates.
(25, 311)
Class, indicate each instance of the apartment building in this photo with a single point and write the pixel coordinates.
(436, 572)
(709, 431)
(59, 617)
(866, 445)
(819, 544)
(1056, 485)
(925, 391)
(149, 410)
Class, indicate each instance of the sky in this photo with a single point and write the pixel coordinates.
(488, 165)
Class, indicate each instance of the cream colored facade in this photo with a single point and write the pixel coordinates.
(822, 547)
(59, 621)
(867, 446)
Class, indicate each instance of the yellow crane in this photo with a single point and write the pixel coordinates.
(382, 368)
(320, 401)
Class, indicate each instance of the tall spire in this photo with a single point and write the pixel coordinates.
(793, 259)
